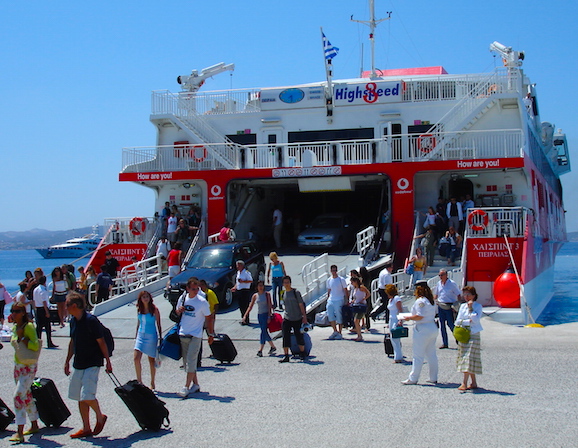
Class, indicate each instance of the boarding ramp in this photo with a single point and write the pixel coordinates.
(134, 278)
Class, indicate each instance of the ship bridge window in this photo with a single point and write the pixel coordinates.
(331, 135)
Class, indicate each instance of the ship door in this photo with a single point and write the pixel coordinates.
(273, 136)
(394, 129)
(458, 188)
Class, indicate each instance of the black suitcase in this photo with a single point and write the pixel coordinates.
(388, 345)
(51, 409)
(347, 316)
(223, 349)
(149, 412)
(6, 416)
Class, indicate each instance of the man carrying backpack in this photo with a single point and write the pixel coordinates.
(89, 348)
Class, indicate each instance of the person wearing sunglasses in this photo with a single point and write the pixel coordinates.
(27, 350)
(195, 315)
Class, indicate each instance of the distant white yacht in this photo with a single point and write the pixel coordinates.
(73, 248)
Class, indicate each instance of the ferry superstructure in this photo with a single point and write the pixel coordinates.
(385, 147)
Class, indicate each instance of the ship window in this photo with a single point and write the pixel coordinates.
(331, 135)
(419, 129)
(272, 139)
(243, 139)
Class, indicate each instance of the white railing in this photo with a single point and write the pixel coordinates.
(495, 222)
(478, 94)
(314, 276)
(400, 281)
(131, 277)
(218, 102)
(364, 240)
(242, 101)
(198, 241)
(466, 145)
(120, 231)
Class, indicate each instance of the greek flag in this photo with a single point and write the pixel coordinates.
(330, 50)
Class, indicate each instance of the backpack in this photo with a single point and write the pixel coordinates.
(107, 335)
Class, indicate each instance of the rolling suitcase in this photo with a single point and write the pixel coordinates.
(388, 345)
(6, 416)
(51, 408)
(149, 412)
(308, 344)
(223, 349)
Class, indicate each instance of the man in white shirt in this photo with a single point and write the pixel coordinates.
(163, 249)
(41, 301)
(195, 314)
(277, 226)
(337, 297)
(242, 289)
(446, 293)
(172, 223)
(384, 279)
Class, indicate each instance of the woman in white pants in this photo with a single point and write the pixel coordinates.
(394, 306)
(425, 334)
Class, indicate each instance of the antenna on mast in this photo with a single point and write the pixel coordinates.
(372, 24)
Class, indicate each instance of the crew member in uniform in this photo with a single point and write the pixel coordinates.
(425, 333)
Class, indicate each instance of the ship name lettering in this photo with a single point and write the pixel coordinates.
(370, 94)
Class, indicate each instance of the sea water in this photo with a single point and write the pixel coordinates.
(563, 307)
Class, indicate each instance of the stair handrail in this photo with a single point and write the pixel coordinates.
(199, 240)
(183, 109)
(478, 94)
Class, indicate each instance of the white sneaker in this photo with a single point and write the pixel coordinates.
(184, 392)
(194, 388)
(332, 335)
(408, 382)
(338, 336)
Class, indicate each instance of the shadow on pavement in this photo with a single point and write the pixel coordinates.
(205, 396)
(130, 440)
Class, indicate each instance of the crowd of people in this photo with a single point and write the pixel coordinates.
(197, 307)
(443, 228)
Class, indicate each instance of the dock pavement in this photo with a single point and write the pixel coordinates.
(346, 394)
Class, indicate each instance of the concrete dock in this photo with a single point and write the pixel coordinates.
(346, 394)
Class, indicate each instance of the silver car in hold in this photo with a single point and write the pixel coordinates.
(331, 230)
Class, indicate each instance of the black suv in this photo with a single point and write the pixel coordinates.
(216, 264)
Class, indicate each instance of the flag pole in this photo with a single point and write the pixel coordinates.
(329, 77)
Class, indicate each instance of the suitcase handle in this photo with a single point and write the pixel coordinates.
(114, 379)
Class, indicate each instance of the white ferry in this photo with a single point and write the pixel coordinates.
(384, 147)
(73, 248)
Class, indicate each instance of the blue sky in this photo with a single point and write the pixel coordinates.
(76, 78)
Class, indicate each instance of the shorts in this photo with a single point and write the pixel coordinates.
(190, 349)
(59, 297)
(174, 271)
(83, 384)
(359, 316)
(334, 312)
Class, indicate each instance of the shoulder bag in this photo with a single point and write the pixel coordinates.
(462, 334)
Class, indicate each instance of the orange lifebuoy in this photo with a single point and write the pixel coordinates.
(478, 220)
(426, 143)
(203, 153)
(137, 226)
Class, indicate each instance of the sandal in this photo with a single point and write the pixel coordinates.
(16, 439)
(462, 387)
(31, 431)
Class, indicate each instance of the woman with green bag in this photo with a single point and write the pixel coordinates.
(469, 360)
